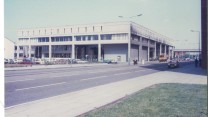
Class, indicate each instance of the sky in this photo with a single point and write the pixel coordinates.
(172, 18)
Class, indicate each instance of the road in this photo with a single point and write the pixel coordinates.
(23, 86)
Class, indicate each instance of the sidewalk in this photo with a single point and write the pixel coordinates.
(54, 66)
(76, 103)
(70, 65)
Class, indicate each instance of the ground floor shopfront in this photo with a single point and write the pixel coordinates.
(96, 52)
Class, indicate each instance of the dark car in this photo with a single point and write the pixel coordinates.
(28, 61)
(173, 64)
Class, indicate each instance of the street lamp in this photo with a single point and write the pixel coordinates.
(199, 38)
(130, 16)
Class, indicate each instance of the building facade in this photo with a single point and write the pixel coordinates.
(119, 41)
(8, 49)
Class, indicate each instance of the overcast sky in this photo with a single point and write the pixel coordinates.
(172, 18)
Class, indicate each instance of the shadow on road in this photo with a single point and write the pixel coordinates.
(185, 67)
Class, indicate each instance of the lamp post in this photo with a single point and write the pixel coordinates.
(130, 16)
(199, 38)
(129, 42)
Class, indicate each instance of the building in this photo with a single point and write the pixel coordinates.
(8, 49)
(119, 41)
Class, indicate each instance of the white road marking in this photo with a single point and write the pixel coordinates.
(40, 86)
(93, 78)
(40, 78)
(123, 73)
(19, 80)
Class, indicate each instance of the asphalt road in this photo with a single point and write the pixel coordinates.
(23, 86)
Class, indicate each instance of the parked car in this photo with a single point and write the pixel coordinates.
(11, 61)
(163, 58)
(173, 64)
(112, 62)
(5, 61)
(28, 61)
(81, 61)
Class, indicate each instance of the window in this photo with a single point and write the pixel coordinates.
(57, 31)
(21, 47)
(101, 28)
(71, 30)
(45, 31)
(64, 30)
(78, 29)
(77, 38)
(62, 38)
(106, 37)
(52, 39)
(93, 28)
(39, 32)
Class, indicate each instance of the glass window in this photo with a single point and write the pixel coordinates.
(52, 39)
(61, 39)
(78, 38)
(95, 37)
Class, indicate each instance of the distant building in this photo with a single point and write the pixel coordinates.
(9, 48)
(119, 41)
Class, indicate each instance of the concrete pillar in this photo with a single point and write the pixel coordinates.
(29, 51)
(160, 49)
(155, 53)
(99, 52)
(42, 56)
(148, 49)
(165, 50)
(172, 52)
(169, 52)
(73, 52)
(129, 49)
(140, 49)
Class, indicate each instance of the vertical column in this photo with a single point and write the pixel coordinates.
(155, 53)
(73, 52)
(140, 49)
(49, 49)
(99, 48)
(148, 49)
(73, 48)
(172, 52)
(165, 50)
(160, 49)
(169, 52)
(99, 52)
(129, 49)
(29, 51)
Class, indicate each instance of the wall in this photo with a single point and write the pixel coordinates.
(8, 49)
(112, 51)
(134, 52)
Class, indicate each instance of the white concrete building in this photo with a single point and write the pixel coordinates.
(8, 48)
(119, 41)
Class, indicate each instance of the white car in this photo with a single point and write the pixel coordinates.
(173, 64)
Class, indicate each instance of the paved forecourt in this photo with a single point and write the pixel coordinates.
(76, 103)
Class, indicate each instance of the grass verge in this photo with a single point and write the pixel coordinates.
(161, 100)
